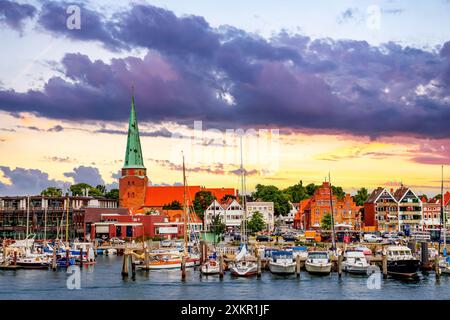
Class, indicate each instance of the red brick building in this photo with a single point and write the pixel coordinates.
(311, 211)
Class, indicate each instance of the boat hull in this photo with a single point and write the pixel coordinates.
(356, 269)
(167, 265)
(248, 271)
(403, 268)
(318, 268)
(282, 268)
(210, 270)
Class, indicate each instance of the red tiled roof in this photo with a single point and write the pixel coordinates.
(158, 196)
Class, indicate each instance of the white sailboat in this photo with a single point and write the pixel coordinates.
(242, 267)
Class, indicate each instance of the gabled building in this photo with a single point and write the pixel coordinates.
(409, 210)
(266, 209)
(381, 210)
(231, 213)
(431, 214)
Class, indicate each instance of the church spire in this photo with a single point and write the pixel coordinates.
(133, 154)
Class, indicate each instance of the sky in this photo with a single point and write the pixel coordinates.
(360, 89)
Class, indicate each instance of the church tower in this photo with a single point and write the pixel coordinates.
(133, 182)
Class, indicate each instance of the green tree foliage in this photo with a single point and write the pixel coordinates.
(296, 193)
(227, 196)
(101, 188)
(326, 222)
(273, 194)
(52, 192)
(202, 201)
(256, 222)
(174, 205)
(217, 226)
(310, 189)
(361, 196)
(338, 192)
(112, 194)
(78, 190)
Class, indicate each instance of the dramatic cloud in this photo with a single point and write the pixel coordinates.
(56, 128)
(83, 174)
(229, 78)
(26, 181)
(14, 14)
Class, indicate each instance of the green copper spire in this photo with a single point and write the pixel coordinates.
(133, 154)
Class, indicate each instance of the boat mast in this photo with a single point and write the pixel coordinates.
(67, 219)
(184, 209)
(332, 213)
(444, 218)
(244, 225)
(28, 215)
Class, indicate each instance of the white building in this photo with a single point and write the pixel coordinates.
(230, 212)
(267, 211)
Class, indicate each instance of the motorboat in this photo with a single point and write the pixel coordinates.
(318, 262)
(212, 266)
(33, 261)
(401, 263)
(282, 262)
(355, 262)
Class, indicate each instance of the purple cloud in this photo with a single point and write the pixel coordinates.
(14, 14)
(84, 174)
(229, 78)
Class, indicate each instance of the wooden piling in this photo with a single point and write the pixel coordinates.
(15, 258)
(258, 261)
(81, 257)
(67, 257)
(146, 259)
(437, 270)
(4, 252)
(183, 268)
(125, 266)
(384, 266)
(297, 266)
(339, 262)
(202, 252)
(221, 266)
(133, 267)
(54, 258)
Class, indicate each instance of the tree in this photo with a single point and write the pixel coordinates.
(310, 189)
(112, 194)
(227, 196)
(296, 193)
(202, 201)
(79, 190)
(174, 205)
(273, 194)
(256, 223)
(326, 222)
(52, 192)
(101, 188)
(217, 226)
(361, 196)
(338, 192)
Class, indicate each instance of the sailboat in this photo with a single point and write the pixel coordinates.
(172, 259)
(241, 267)
(444, 264)
(211, 266)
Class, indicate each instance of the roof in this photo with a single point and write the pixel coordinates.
(158, 196)
(133, 153)
(176, 216)
(375, 194)
(400, 193)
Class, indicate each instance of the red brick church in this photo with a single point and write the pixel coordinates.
(136, 194)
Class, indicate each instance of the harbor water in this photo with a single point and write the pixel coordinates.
(104, 281)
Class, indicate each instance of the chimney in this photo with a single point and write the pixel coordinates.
(392, 190)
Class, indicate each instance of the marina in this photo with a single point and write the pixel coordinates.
(103, 281)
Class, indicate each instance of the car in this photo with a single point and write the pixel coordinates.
(116, 240)
(372, 238)
(289, 238)
(393, 238)
(263, 238)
